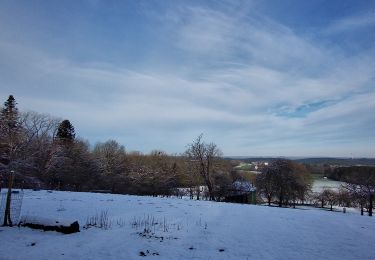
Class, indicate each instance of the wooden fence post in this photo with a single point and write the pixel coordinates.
(7, 218)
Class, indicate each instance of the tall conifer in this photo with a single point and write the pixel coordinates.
(65, 132)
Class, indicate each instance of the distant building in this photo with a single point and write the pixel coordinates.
(259, 165)
(242, 192)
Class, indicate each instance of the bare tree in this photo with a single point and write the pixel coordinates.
(360, 181)
(344, 197)
(111, 160)
(39, 126)
(285, 180)
(40, 130)
(204, 156)
(329, 196)
(266, 184)
(111, 157)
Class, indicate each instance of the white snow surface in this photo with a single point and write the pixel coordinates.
(186, 229)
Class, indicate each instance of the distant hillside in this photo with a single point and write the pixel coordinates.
(339, 161)
(314, 161)
(254, 159)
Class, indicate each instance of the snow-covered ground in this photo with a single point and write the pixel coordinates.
(186, 229)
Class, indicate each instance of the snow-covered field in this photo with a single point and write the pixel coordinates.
(321, 184)
(186, 229)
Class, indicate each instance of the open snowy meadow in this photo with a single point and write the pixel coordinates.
(134, 227)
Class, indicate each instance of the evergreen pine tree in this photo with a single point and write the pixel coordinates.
(9, 114)
(65, 132)
(10, 131)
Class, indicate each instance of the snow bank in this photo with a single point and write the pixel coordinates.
(47, 224)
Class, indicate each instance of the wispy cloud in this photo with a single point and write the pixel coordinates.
(351, 23)
(254, 86)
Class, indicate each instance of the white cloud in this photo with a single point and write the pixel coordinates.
(352, 23)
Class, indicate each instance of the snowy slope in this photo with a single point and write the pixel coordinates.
(186, 229)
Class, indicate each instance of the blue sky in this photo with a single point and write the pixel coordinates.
(265, 78)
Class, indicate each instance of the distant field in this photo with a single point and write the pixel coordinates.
(244, 167)
(320, 183)
(314, 161)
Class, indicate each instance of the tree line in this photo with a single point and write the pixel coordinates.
(286, 183)
(359, 184)
(44, 152)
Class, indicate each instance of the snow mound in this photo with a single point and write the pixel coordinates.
(47, 224)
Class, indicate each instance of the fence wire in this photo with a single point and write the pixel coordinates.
(15, 205)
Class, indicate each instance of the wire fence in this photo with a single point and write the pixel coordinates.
(15, 205)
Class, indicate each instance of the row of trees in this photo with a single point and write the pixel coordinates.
(44, 152)
(330, 197)
(358, 189)
(360, 182)
(285, 181)
(343, 197)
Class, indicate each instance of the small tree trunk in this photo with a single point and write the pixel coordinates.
(269, 200)
(210, 189)
(280, 200)
(361, 209)
(370, 206)
(331, 207)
